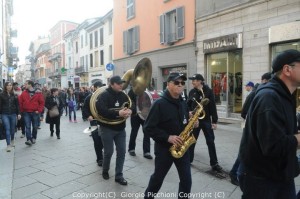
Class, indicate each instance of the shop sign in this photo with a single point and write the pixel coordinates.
(167, 71)
(224, 43)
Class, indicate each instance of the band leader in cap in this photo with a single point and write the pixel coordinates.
(197, 77)
(285, 57)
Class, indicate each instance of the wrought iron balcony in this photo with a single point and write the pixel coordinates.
(80, 69)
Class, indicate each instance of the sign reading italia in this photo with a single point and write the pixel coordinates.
(228, 42)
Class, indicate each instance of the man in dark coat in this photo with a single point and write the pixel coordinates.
(270, 139)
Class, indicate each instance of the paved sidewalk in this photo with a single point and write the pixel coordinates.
(67, 168)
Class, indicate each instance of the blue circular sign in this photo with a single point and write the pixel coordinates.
(110, 67)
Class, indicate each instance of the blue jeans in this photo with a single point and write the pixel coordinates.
(210, 141)
(235, 167)
(31, 118)
(9, 122)
(163, 162)
(108, 137)
(260, 188)
(70, 113)
(136, 122)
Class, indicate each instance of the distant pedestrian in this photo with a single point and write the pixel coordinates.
(9, 106)
(72, 104)
(31, 105)
(51, 101)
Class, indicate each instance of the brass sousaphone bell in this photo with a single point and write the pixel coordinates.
(139, 78)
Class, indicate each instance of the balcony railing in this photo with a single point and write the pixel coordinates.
(80, 69)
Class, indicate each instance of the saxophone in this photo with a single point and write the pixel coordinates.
(177, 151)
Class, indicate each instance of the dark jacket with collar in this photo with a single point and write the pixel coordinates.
(107, 104)
(49, 104)
(9, 104)
(210, 109)
(167, 116)
(248, 101)
(268, 146)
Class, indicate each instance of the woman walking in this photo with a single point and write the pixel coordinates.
(72, 104)
(9, 106)
(52, 101)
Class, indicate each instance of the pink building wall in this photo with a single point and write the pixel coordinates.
(147, 13)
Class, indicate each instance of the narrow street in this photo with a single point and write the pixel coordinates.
(67, 168)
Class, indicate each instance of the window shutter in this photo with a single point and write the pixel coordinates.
(180, 22)
(136, 37)
(162, 29)
(125, 42)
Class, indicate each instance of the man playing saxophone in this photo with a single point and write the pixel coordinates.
(110, 105)
(167, 118)
(209, 123)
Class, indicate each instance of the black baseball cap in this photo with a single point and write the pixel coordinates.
(175, 75)
(116, 79)
(98, 84)
(266, 76)
(197, 77)
(285, 57)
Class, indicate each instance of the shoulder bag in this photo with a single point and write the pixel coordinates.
(53, 112)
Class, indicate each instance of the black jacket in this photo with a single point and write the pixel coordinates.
(9, 104)
(49, 104)
(210, 109)
(167, 116)
(248, 101)
(268, 146)
(107, 102)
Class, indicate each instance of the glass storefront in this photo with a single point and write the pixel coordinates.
(226, 79)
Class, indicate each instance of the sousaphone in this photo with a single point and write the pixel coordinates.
(139, 78)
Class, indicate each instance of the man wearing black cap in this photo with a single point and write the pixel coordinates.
(167, 118)
(109, 105)
(270, 140)
(208, 123)
(86, 112)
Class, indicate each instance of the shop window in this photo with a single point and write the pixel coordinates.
(225, 78)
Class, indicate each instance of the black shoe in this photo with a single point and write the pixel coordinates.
(132, 153)
(148, 156)
(100, 162)
(105, 175)
(58, 137)
(217, 168)
(28, 142)
(234, 180)
(51, 134)
(121, 181)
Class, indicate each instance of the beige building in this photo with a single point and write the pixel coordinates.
(236, 42)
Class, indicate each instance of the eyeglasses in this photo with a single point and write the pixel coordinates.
(178, 82)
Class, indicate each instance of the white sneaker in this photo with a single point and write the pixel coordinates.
(22, 136)
(33, 141)
(12, 143)
(8, 148)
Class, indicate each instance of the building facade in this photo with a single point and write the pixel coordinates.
(236, 41)
(58, 74)
(100, 36)
(165, 34)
